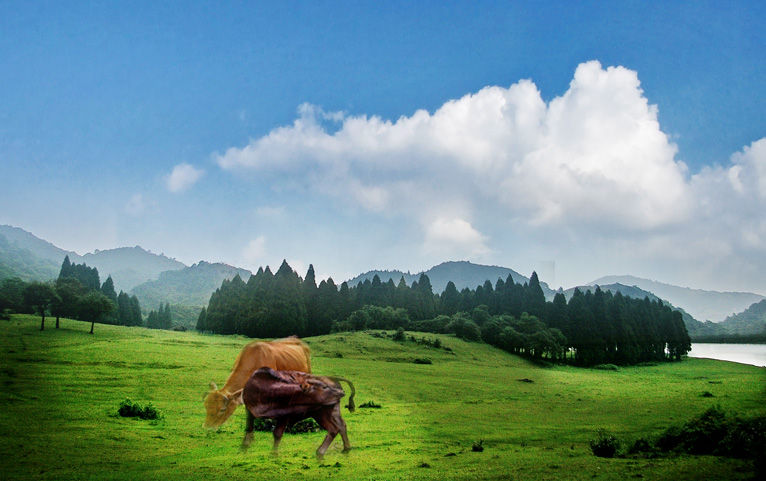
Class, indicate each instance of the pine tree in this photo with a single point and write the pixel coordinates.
(202, 320)
(107, 289)
(449, 300)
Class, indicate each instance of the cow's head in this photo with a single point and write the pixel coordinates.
(219, 407)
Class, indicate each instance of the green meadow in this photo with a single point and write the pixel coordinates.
(61, 390)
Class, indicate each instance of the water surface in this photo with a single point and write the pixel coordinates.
(754, 354)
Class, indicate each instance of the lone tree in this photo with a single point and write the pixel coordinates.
(94, 306)
(41, 296)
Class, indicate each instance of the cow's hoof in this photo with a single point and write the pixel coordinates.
(347, 450)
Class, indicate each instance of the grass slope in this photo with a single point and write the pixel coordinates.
(61, 390)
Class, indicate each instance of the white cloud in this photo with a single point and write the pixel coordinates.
(455, 239)
(183, 177)
(595, 155)
(590, 167)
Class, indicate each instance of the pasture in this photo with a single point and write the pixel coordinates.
(61, 390)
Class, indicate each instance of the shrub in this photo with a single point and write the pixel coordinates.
(399, 336)
(478, 446)
(130, 409)
(606, 445)
(371, 404)
(642, 446)
(422, 361)
(606, 367)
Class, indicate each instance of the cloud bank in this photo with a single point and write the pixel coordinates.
(591, 165)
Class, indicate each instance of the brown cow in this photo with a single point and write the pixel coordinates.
(284, 354)
(291, 396)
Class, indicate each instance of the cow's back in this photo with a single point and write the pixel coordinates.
(289, 354)
(271, 393)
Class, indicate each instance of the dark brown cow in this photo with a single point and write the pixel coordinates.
(292, 396)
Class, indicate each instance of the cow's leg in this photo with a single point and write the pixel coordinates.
(326, 444)
(249, 428)
(340, 425)
(279, 430)
(330, 420)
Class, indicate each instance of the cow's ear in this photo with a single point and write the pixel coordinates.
(236, 396)
(213, 386)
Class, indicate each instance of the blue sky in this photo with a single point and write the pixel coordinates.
(604, 137)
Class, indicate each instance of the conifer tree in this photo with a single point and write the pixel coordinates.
(202, 320)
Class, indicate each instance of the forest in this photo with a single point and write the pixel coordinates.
(592, 328)
(77, 293)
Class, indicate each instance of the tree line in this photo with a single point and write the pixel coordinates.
(594, 327)
(77, 293)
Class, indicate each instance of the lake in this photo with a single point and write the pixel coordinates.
(754, 354)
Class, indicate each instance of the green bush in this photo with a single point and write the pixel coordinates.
(713, 432)
(130, 409)
(703, 435)
(399, 336)
(606, 367)
(642, 446)
(606, 445)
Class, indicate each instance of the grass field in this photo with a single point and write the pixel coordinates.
(61, 390)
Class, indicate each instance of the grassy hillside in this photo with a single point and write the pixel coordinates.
(62, 388)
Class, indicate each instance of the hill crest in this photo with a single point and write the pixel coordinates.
(701, 304)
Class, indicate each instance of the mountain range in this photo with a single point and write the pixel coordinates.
(701, 304)
(156, 278)
(463, 274)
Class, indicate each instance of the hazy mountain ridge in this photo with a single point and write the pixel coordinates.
(750, 321)
(16, 261)
(130, 266)
(41, 248)
(189, 286)
(462, 273)
(701, 304)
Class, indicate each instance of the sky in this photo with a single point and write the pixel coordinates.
(574, 139)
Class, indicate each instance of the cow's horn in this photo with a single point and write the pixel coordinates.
(213, 386)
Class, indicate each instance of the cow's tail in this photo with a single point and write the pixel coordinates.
(351, 405)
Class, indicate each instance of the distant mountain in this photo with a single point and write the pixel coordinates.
(751, 321)
(130, 266)
(463, 274)
(190, 286)
(627, 291)
(16, 261)
(702, 305)
(41, 248)
(26, 256)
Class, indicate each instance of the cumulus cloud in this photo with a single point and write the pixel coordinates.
(590, 165)
(455, 239)
(183, 177)
(594, 155)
